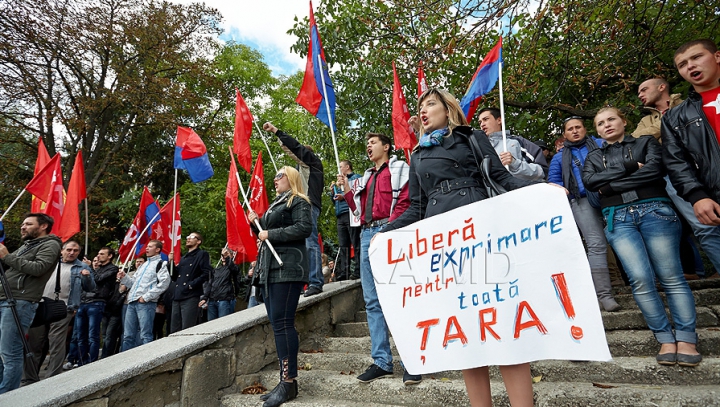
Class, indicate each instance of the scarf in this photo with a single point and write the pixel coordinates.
(567, 162)
(433, 138)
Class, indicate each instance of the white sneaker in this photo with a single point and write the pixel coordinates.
(67, 366)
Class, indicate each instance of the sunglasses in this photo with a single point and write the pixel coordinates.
(191, 237)
(572, 118)
(279, 175)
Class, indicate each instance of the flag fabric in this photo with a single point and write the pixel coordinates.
(37, 205)
(169, 240)
(77, 191)
(239, 236)
(191, 155)
(147, 211)
(258, 193)
(47, 185)
(243, 131)
(483, 81)
(312, 96)
(402, 133)
(422, 84)
(321, 244)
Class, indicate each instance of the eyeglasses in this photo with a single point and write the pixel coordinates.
(191, 237)
(572, 118)
(279, 175)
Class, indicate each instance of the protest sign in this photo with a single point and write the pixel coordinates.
(498, 282)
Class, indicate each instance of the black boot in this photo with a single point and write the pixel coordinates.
(283, 392)
(268, 395)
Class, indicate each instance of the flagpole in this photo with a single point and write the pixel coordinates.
(266, 145)
(218, 263)
(87, 228)
(330, 120)
(502, 106)
(12, 204)
(127, 259)
(172, 225)
(257, 223)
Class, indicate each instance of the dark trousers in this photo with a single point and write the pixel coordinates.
(347, 236)
(184, 314)
(281, 304)
(113, 333)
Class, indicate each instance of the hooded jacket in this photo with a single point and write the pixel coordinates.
(29, 267)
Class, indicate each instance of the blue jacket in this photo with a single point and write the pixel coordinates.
(79, 283)
(341, 207)
(555, 173)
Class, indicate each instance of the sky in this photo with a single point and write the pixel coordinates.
(263, 25)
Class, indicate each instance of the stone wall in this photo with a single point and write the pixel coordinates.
(196, 366)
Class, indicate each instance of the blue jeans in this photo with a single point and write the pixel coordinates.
(646, 239)
(11, 346)
(139, 316)
(709, 236)
(281, 305)
(379, 334)
(87, 324)
(589, 221)
(313, 250)
(218, 309)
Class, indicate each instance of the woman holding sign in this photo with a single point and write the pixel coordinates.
(643, 229)
(445, 174)
(286, 223)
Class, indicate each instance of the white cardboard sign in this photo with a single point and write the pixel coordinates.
(497, 282)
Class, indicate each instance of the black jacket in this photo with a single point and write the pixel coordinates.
(223, 284)
(690, 151)
(315, 181)
(104, 285)
(287, 229)
(613, 170)
(190, 274)
(446, 177)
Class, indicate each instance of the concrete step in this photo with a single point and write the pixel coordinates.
(253, 400)
(621, 343)
(637, 370)
(341, 390)
(625, 319)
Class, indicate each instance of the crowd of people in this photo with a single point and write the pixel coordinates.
(629, 192)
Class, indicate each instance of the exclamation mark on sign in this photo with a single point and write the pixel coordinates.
(561, 289)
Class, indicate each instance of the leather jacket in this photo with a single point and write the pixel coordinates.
(690, 151)
(613, 170)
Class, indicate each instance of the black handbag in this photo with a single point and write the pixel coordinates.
(492, 188)
(50, 310)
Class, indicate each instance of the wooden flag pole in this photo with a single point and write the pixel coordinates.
(87, 228)
(266, 145)
(330, 120)
(502, 105)
(12, 204)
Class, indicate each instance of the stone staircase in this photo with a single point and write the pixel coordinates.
(632, 378)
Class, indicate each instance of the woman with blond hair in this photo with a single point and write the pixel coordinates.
(286, 224)
(444, 175)
(644, 231)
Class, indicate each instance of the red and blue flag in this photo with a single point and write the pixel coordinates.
(313, 95)
(483, 81)
(148, 213)
(191, 155)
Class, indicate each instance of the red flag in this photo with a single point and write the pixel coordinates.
(320, 242)
(47, 185)
(239, 235)
(422, 84)
(403, 134)
(258, 194)
(146, 213)
(77, 191)
(43, 158)
(171, 235)
(243, 131)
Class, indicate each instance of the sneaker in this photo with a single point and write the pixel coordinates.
(67, 366)
(75, 366)
(312, 290)
(372, 373)
(409, 379)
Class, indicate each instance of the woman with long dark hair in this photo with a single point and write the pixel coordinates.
(286, 223)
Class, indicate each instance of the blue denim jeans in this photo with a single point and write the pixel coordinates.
(11, 346)
(87, 324)
(313, 250)
(138, 317)
(379, 334)
(252, 301)
(646, 239)
(709, 236)
(281, 305)
(218, 309)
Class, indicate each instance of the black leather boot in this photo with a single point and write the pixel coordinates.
(283, 392)
(268, 395)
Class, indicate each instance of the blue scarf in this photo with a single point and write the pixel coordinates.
(433, 138)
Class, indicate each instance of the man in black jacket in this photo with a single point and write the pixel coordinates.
(190, 274)
(92, 307)
(221, 288)
(691, 131)
(311, 169)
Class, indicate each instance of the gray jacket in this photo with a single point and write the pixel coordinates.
(29, 267)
